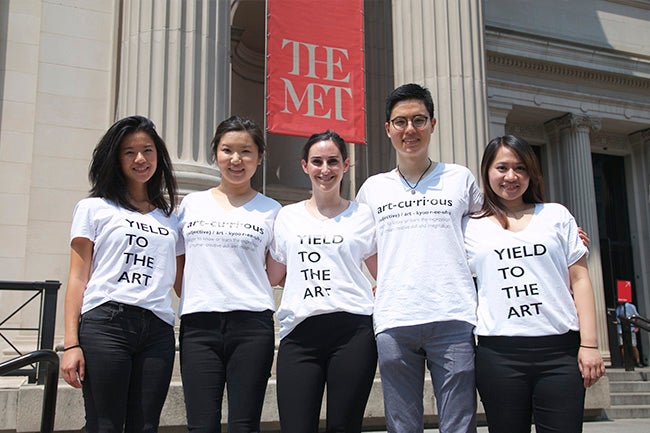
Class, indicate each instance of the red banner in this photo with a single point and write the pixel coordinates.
(315, 68)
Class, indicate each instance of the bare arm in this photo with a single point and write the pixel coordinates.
(276, 271)
(73, 363)
(178, 281)
(589, 359)
(371, 264)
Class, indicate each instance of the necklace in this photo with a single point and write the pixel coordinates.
(413, 187)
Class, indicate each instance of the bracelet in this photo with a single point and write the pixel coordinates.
(582, 345)
(74, 346)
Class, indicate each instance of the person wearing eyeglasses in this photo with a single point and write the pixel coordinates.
(425, 307)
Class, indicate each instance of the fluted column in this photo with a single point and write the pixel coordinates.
(640, 219)
(574, 149)
(175, 69)
(440, 44)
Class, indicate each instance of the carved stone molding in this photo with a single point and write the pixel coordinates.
(574, 122)
(528, 131)
(562, 72)
(642, 137)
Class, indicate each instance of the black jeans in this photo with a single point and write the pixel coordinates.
(520, 377)
(129, 355)
(233, 350)
(337, 349)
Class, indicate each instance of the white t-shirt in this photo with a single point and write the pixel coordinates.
(423, 275)
(134, 256)
(225, 253)
(323, 260)
(523, 277)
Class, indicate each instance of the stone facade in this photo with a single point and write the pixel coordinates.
(573, 78)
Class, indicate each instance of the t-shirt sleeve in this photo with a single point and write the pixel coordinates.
(278, 247)
(475, 196)
(369, 231)
(361, 195)
(83, 221)
(575, 249)
(180, 241)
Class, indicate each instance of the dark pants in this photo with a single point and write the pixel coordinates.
(233, 349)
(520, 377)
(129, 355)
(338, 349)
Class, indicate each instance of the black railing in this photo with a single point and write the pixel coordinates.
(51, 380)
(640, 322)
(45, 293)
(628, 351)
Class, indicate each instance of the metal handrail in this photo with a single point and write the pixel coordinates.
(47, 292)
(640, 322)
(49, 387)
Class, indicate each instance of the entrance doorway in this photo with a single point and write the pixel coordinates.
(614, 230)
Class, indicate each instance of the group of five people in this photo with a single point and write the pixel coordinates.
(423, 231)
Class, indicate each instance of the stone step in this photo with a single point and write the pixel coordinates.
(19, 400)
(628, 411)
(621, 387)
(620, 375)
(622, 399)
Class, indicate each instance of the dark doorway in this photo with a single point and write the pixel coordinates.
(614, 230)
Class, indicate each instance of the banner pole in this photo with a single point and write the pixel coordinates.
(266, 38)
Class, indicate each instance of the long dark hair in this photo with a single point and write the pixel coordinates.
(492, 204)
(107, 179)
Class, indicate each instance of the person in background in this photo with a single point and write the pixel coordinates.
(325, 315)
(537, 342)
(425, 308)
(628, 309)
(226, 307)
(119, 337)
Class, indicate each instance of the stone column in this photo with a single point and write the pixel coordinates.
(440, 44)
(175, 69)
(574, 149)
(498, 113)
(639, 208)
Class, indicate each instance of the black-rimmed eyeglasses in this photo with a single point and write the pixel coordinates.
(418, 122)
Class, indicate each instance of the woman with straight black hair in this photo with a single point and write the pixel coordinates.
(227, 336)
(537, 342)
(119, 338)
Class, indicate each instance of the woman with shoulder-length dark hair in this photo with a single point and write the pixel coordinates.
(537, 343)
(119, 338)
(227, 336)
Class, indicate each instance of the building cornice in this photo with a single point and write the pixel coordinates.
(538, 54)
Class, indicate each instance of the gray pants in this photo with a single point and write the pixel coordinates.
(448, 350)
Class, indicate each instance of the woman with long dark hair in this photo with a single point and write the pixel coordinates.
(119, 338)
(537, 343)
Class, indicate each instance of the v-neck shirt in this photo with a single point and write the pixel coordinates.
(523, 277)
(324, 259)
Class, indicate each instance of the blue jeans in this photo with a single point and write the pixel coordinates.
(448, 350)
(129, 355)
(233, 349)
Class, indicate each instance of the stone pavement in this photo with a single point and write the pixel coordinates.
(641, 425)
